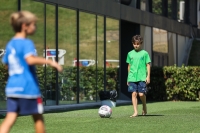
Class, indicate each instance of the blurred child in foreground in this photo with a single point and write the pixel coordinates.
(22, 89)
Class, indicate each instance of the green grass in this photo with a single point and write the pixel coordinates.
(163, 117)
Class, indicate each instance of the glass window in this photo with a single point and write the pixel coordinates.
(143, 5)
(38, 38)
(145, 32)
(169, 8)
(50, 54)
(87, 56)
(160, 47)
(67, 51)
(100, 54)
(38, 9)
(112, 42)
(172, 48)
(198, 14)
(181, 49)
(157, 7)
(112, 52)
(181, 10)
(6, 33)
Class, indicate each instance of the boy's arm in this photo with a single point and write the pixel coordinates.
(148, 73)
(128, 72)
(128, 68)
(34, 60)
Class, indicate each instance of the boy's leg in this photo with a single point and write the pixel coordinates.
(39, 123)
(132, 87)
(144, 105)
(8, 122)
(142, 90)
(134, 102)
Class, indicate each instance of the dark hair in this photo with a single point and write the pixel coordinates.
(137, 38)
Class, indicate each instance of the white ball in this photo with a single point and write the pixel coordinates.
(105, 111)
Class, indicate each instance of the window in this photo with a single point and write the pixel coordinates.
(160, 47)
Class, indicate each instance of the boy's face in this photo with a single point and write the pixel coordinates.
(137, 46)
(31, 28)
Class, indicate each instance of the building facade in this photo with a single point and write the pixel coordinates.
(98, 33)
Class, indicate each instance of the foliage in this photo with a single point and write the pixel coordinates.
(182, 83)
(157, 87)
(174, 83)
(157, 6)
(3, 80)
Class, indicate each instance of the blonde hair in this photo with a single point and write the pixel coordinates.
(137, 38)
(21, 17)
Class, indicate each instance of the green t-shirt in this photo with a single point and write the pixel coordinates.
(138, 65)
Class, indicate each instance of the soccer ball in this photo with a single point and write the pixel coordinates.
(105, 111)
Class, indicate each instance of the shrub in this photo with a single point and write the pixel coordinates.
(182, 83)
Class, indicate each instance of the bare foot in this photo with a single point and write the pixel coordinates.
(134, 115)
(144, 112)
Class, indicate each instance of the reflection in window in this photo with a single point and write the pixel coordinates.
(143, 5)
(157, 6)
(112, 51)
(67, 50)
(170, 9)
(6, 32)
(6, 8)
(160, 47)
(181, 10)
(112, 42)
(37, 8)
(172, 48)
(181, 49)
(50, 45)
(87, 56)
(100, 52)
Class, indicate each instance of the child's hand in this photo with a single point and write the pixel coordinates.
(56, 65)
(147, 80)
(127, 83)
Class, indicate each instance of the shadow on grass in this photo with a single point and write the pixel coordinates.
(149, 115)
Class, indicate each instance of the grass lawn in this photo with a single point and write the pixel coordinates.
(163, 117)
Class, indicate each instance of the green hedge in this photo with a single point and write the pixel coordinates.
(167, 83)
(174, 83)
(67, 81)
(157, 89)
(182, 83)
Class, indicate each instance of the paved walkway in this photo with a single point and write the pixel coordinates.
(69, 107)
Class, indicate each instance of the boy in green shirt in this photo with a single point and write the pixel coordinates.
(138, 73)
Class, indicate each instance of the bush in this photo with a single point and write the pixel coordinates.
(157, 89)
(174, 83)
(182, 83)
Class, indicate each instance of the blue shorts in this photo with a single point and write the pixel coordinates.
(25, 106)
(137, 87)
